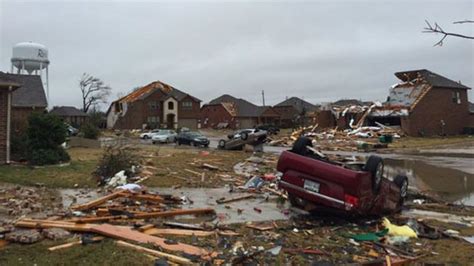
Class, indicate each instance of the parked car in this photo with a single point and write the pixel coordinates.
(271, 129)
(71, 131)
(164, 136)
(149, 134)
(312, 180)
(238, 139)
(192, 138)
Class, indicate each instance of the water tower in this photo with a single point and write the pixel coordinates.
(32, 59)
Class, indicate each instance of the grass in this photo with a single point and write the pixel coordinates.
(170, 161)
(103, 253)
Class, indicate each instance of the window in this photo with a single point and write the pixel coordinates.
(153, 120)
(187, 105)
(170, 105)
(456, 97)
(153, 105)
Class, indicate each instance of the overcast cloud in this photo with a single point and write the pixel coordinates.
(320, 50)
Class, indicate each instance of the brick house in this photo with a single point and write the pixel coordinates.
(227, 111)
(156, 105)
(425, 104)
(293, 110)
(70, 115)
(29, 98)
(7, 86)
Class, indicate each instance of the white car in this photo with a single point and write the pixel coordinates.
(148, 135)
(164, 136)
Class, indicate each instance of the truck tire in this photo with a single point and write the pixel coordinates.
(295, 201)
(244, 136)
(402, 183)
(221, 144)
(146, 137)
(299, 147)
(375, 166)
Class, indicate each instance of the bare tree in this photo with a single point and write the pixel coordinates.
(437, 29)
(94, 91)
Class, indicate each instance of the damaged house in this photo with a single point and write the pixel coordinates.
(425, 104)
(227, 111)
(156, 105)
(293, 110)
(343, 114)
(28, 98)
(7, 87)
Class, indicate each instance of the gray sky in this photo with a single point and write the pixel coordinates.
(317, 50)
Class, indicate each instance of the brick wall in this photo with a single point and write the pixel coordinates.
(435, 106)
(189, 112)
(3, 126)
(211, 115)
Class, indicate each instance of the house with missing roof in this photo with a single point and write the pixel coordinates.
(425, 104)
(7, 88)
(70, 115)
(227, 111)
(293, 111)
(28, 98)
(156, 105)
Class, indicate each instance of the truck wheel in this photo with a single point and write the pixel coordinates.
(402, 183)
(146, 137)
(221, 144)
(295, 201)
(374, 165)
(244, 136)
(299, 147)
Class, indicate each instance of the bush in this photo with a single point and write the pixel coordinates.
(46, 133)
(19, 146)
(114, 160)
(90, 130)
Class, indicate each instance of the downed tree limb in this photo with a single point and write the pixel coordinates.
(117, 232)
(173, 258)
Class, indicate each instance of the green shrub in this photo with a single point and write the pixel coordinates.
(46, 133)
(90, 130)
(19, 146)
(114, 160)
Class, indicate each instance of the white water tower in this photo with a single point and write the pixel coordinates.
(32, 59)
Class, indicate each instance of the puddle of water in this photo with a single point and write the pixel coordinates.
(451, 184)
(203, 198)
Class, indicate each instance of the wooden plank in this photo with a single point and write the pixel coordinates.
(74, 243)
(184, 225)
(124, 233)
(210, 166)
(178, 232)
(147, 197)
(192, 172)
(97, 202)
(260, 227)
(118, 232)
(144, 215)
(173, 258)
(222, 201)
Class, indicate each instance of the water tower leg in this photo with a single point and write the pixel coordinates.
(11, 71)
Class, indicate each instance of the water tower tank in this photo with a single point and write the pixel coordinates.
(30, 56)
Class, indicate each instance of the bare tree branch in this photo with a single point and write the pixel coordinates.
(463, 21)
(437, 29)
(93, 90)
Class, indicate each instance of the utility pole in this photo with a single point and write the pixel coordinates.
(263, 97)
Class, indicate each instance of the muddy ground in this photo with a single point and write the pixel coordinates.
(51, 190)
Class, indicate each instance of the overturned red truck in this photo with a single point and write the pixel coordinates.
(313, 181)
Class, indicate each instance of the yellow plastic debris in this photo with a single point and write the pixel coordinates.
(395, 230)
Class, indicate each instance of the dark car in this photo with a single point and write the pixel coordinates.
(238, 139)
(313, 181)
(192, 138)
(271, 129)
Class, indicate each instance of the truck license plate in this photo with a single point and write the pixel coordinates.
(311, 185)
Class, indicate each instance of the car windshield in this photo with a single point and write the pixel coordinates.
(195, 135)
